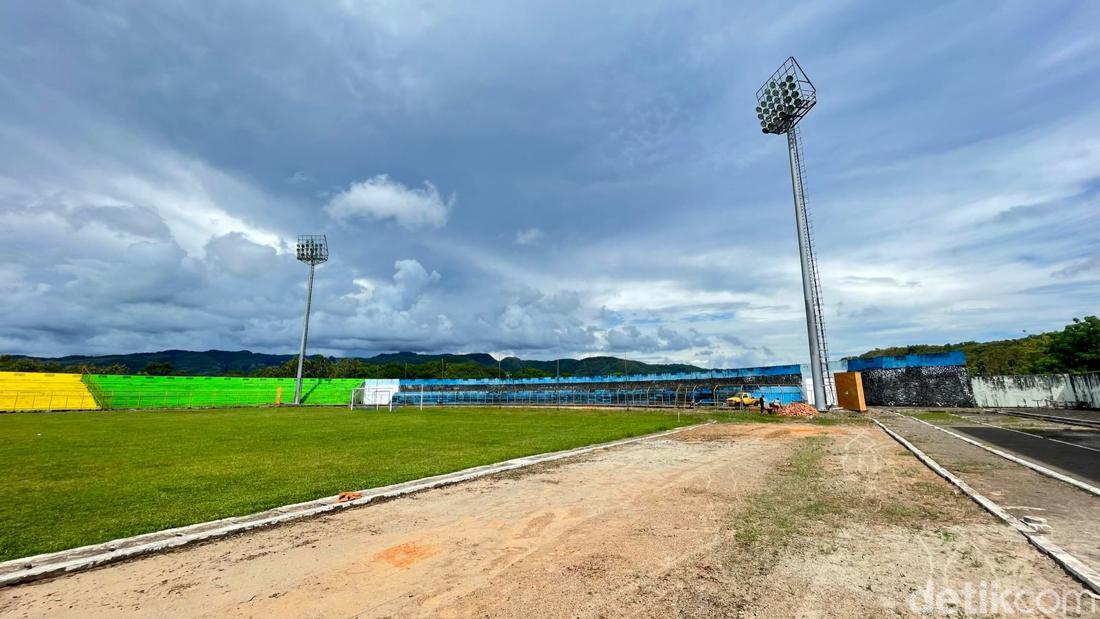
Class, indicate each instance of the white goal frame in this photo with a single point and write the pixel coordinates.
(371, 397)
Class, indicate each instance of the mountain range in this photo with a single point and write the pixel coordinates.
(221, 362)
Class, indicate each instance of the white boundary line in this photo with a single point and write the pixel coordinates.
(1068, 562)
(1018, 460)
(984, 423)
(86, 557)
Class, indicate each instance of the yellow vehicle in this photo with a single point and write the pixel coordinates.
(742, 399)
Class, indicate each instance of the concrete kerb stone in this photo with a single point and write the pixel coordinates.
(1073, 421)
(48, 565)
(1038, 468)
(1071, 564)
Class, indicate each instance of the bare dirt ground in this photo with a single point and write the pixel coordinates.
(1072, 513)
(725, 520)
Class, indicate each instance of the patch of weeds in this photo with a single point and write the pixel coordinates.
(898, 514)
(844, 418)
(932, 489)
(910, 515)
(971, 466)
(949, 537)
(746, 417)
(967, 554)
(798, 496)
(934, 416)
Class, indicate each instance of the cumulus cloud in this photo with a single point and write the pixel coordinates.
(235, 254)
(152, 204)
(529, 236)
(629, 338)
(380, 198)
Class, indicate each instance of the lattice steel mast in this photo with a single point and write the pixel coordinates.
(781, 102)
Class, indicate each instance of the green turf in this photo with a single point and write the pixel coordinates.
(69, 479)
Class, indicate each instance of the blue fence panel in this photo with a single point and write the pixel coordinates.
(640, 396)
(775, 370)
(908, 361)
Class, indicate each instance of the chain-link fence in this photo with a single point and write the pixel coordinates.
(684, 396)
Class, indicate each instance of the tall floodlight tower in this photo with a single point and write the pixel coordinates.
(312, 250)
(781, 102)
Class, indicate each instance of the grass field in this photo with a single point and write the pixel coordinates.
(69, 479)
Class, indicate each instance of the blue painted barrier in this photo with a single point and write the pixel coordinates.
(908, 361)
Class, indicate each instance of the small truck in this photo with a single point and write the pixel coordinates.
(741, 400)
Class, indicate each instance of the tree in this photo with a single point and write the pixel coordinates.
(1077, 347)
(159, 368)
(350, 368)
(114, 368)
(531, 373)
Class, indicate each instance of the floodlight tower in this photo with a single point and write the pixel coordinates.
(313, 250)
(781, 102)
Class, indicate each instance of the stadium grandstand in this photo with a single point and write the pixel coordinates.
(37, 391)
(782, 383)
(28, 391)
(209, 391)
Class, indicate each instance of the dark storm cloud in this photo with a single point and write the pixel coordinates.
(545, 179)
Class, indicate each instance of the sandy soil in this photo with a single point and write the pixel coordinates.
(650, 529)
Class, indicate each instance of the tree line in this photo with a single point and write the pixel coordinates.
(319, 366)
(316, 366)
(11, 363)
(1073, 350)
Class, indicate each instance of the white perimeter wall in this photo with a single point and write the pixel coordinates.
(379, 391)
(1035, 390)
(808, 388)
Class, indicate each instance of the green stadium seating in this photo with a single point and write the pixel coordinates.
(209, 391)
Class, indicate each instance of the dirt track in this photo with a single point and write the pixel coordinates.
(651, 529)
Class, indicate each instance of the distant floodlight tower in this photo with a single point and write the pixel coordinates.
(781, 102)
(313, 250)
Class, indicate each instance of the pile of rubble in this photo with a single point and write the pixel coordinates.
(797, 409)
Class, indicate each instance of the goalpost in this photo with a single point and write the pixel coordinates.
(376, 393)
(373, 398)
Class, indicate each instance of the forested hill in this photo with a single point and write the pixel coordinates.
(386, 365)
(1076, 348)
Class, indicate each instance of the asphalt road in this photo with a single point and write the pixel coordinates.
(1073, 459)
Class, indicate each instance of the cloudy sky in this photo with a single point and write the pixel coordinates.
(541, 178)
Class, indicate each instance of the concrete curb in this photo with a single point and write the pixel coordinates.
(1068, 562)
(1038, 468)
(1084, 423)
(86, 557)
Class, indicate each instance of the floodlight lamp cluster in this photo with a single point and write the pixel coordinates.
(784, 99)
(312, 248)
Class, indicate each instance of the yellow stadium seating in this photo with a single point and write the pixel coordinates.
(31, 391)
